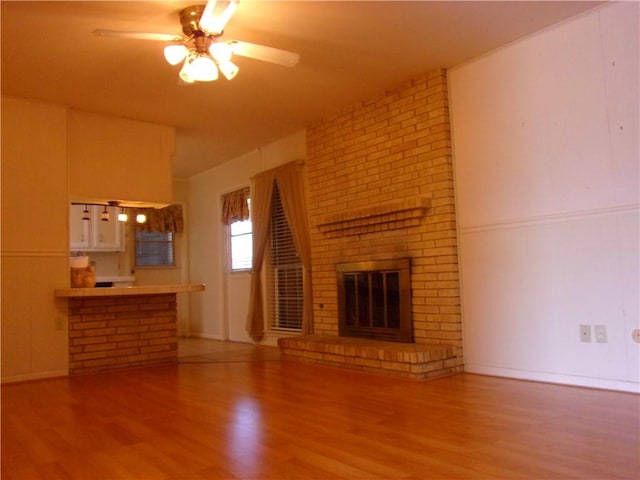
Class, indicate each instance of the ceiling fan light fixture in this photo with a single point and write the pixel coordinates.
(214, 24)
(228, 69)
(174, 54)
(203, 53)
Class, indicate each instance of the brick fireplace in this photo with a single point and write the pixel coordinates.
(381, 187)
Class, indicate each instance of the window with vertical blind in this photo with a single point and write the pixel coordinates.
(286, 287)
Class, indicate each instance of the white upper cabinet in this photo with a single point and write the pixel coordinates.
(95, 234)
(78, 229)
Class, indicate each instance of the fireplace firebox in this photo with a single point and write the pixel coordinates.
(374, 300)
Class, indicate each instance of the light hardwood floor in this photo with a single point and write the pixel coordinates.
(230, 411)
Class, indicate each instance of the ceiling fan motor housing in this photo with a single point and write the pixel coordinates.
(190, 20)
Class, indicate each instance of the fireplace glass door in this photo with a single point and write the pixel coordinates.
(374, 300)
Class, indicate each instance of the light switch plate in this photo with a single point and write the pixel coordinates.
(585, 333)
(601, 333)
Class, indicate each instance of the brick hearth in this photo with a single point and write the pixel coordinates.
(417, 361)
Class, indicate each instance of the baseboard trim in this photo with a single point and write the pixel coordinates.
(28, 377)
(200, 335)
(571, 380)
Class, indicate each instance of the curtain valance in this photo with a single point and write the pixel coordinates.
(167, 219)
(235, 206)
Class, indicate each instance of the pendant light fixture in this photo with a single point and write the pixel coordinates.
(85, 213)
(122, 216)
(104, 216)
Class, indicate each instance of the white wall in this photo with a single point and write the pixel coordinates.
(220, 311)
(545, 135)
(35, 240)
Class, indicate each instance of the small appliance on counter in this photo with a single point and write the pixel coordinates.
(83, 275)
(114, 281)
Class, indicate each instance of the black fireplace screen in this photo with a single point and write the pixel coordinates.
(374, 300)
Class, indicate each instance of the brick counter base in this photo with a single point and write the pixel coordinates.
(417, 361)
(121, 331)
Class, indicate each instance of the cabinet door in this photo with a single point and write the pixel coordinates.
(107, 235)
(79, 230)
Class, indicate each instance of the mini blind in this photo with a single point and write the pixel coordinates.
(286, 279)
(154, 249)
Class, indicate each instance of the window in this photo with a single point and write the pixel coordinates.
(154, 249)
(241, 245)
(286, 279)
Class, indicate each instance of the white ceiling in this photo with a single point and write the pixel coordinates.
(350, 51)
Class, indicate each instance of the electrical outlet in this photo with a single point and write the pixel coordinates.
(59, 323)
(635, 334)
(601, 333)
(585, 333)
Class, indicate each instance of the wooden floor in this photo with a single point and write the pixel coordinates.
(229, 411)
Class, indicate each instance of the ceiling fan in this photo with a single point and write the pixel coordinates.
(201, 50)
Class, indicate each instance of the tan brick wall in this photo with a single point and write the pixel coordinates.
(117, 332)
(391, 150)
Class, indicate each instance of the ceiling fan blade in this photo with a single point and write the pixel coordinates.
(163, 37)
(266, 54)
(213, 20)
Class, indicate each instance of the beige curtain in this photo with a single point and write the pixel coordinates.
(167, 219)
(235, 206)
(261, 193)
(290, 181)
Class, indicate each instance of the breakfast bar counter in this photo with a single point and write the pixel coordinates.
(134, 290)
(123, 327)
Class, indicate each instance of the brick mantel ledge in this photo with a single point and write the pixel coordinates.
(385, 216)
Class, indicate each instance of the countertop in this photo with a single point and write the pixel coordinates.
(115, 279)
(139, 290)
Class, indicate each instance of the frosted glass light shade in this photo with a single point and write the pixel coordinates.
(185, 71)
(174, 54)
(141, 218)
(221, 51)
(228, 69)
(203, 69)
